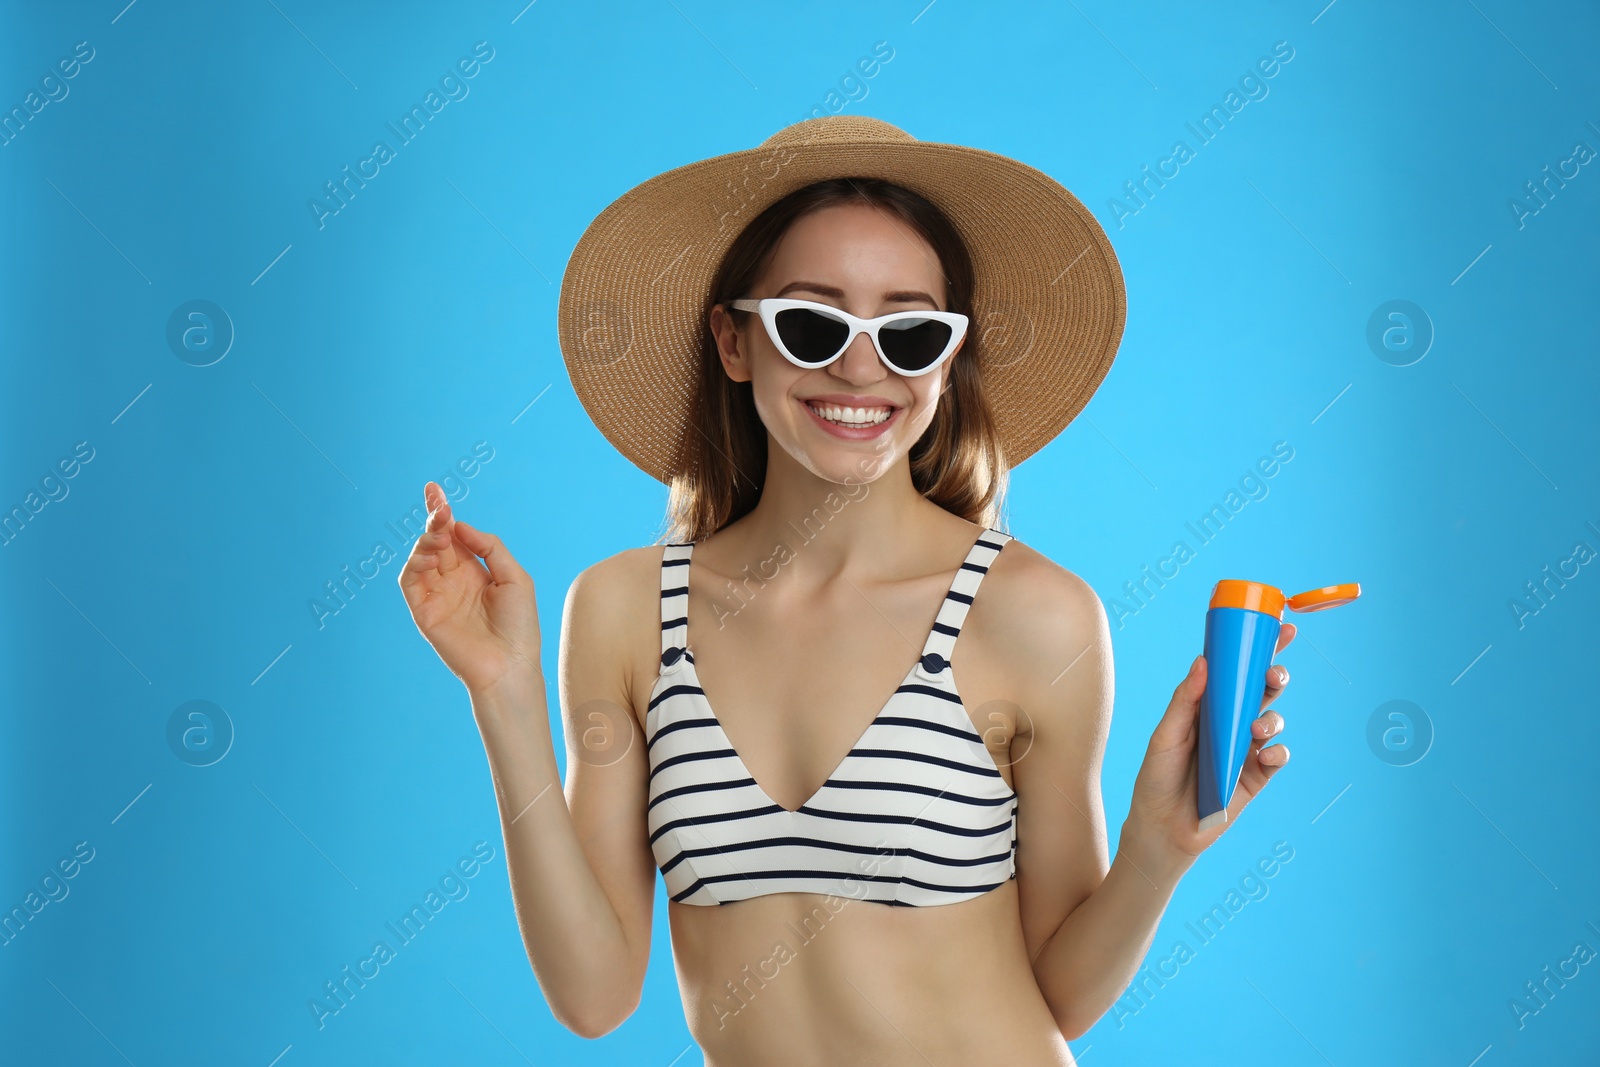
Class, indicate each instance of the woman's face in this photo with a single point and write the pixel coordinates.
(860, 259)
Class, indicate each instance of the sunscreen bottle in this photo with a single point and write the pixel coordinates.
(1242, 627)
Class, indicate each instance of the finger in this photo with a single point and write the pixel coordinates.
(1178, 722)
(434, 551)
(1272, 758)
(502, 567)
(441, 531)
(1260, 769)
(1277, 678)
(1286, 634)
(1267, 726)
(1263, 729)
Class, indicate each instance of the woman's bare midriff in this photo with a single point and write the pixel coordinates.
(796, 979)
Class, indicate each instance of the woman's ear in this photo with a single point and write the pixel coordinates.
(730, 346)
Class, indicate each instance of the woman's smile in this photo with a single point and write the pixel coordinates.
(854, 423)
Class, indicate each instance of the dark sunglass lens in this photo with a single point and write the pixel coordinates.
(810, 336)
(912, 344)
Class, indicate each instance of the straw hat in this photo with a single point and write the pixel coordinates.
(1048, 303)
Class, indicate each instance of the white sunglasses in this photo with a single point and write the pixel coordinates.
(812, 335)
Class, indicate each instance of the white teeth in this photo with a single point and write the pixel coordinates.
(851, 416)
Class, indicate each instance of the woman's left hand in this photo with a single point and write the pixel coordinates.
(1164, 810)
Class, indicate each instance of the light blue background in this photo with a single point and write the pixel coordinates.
(373, 353)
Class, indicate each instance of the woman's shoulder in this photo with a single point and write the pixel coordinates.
(631, 569)
(1029, 599)
(1025, 564)
(613, 610)
(621, 593)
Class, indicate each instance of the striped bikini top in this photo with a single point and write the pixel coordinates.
(917, 813)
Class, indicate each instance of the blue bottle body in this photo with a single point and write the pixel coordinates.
(1239, 647)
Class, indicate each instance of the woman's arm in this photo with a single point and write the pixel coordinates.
(1089, 924)
(1097, 949)
(1094, 954)
(582, 875)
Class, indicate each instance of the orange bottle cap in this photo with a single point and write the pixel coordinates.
(1255, 596)
(1329, 596)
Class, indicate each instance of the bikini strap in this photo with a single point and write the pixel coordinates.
(675, 602)
(953, 610)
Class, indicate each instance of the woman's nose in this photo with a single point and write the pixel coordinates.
(860, 362)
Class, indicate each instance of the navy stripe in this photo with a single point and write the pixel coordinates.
(692, 757)
(922, 723)
(890, 753)
(909, 820)
(840, 846)
(801, 874)
(681, 724)
(670, 692)
(774, 842)
(857, 877)
(683, 790)
(954, 888)
(706, 820)
(910, 787)
(930, 691)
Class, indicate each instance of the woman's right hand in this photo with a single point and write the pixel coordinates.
(482, 621)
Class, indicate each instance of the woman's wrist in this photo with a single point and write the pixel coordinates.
(515, 727)
(516, 680)
(1152, 855)
(510, 705)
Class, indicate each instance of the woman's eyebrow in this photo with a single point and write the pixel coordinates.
(897, 295)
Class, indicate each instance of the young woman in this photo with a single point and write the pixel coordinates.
(855, 725)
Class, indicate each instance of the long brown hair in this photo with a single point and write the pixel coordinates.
(957, 463)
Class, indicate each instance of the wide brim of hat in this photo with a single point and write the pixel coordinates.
(1048, 306)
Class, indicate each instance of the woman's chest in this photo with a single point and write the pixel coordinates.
(911, 805)
(794, 692)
